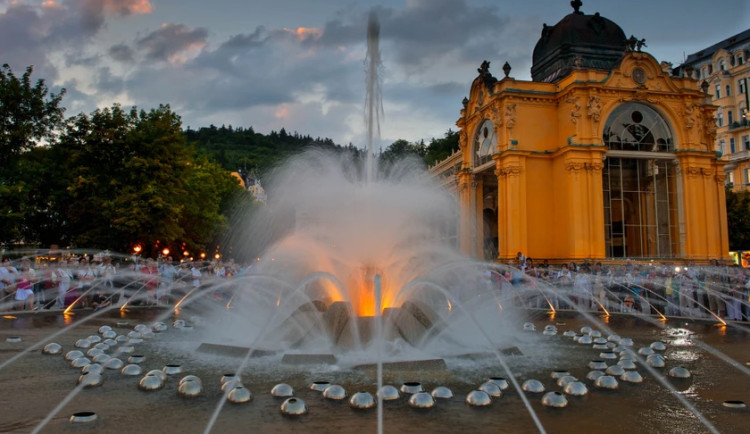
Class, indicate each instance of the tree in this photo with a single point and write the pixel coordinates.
(133, 179)
(738, 219)
(440, 149)
(28, 114)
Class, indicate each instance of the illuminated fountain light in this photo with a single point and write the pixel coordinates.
(92, 368)
(600, 347)
(229, 377)
(159, 327)
(282, 390)
(82, 343)
(94, 339)
(575, 388)
(179, 323)
(157, 373)
(645, 351)
(191, 378)
(562, 381)
(80, 362)
(110, 342)
(101, 358)
(362, 401)
(734, 404)
(584, 340)
(319, 386)
(597, 365)
(134, 334)
(102, 346)
(627, 364)
(189, 388)
(559, 373)
(83, 417)
(595, 334)
(631, 377)
(131, 370)
(626, 342)
(615, 370)
(679, 372)
(136, 358)
(606, 382)
(91, 379)
(608, 355)
(442, 392)
(658, 346)
(491, 389)
(478, 398)
(501, 382)
(389, 393)
(335, 392)
(52, 348)
(172, 369)
(656, 360)
(72, 355)
(529, 327)
(140, 328)
(411, 387)
(150, 383)
(593, 375)
(421, 400)
(230, 384)
(109, 334)
(105, 328)
(121, 338)
(533, 386)
(133, 341)
(554, 399)
(93, 352)
(239, 394)
(569, 333)
(549, 330)
(293, 407)
(585, 330)
(600, 341)
(114, 363)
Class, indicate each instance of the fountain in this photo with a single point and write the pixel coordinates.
(362, 289)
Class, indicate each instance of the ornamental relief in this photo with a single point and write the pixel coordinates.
(594, 108)
(577, 166)
(574, 113)
(720, 178)
(463, 139)
(510, 115)
(513, 171)
(687, 115)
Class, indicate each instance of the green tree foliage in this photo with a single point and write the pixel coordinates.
(738, 219)
(132, 178)
(28, 114)
(243, 148)
(440, 149)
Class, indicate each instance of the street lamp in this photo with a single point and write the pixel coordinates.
(137, 249)
(165, 252)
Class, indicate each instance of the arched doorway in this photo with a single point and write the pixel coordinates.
(641, 207)
(484, 147)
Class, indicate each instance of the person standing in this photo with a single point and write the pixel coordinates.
(167, 274)
(64, 277)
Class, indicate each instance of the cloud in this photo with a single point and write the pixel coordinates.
(126, 7)
(121, 53)
(172, 42)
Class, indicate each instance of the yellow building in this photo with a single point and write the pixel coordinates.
(724, 69)
(603, 155)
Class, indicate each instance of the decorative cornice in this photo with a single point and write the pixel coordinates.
(512, 171)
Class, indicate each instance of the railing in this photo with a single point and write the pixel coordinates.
(737, 125)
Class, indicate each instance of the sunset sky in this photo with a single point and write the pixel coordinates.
(299, 64)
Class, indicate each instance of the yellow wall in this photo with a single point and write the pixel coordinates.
(549, 161)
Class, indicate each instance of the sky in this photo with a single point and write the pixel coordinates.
(300, 64)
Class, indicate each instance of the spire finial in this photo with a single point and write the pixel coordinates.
(576, 5)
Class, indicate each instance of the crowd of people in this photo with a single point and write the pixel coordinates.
(27, 285)
(651, 288)
(716, 289)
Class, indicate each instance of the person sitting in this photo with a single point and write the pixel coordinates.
(99, 301)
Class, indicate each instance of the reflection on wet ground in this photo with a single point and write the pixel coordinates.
(36, 383)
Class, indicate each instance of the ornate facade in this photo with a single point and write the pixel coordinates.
(600, 157)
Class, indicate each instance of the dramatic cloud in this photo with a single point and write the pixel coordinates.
(173, 42)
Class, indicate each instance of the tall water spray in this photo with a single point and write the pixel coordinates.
(373, 99)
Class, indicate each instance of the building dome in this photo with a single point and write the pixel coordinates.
(578, 40)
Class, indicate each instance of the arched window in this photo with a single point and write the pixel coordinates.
(639, 184)
(485, 143)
